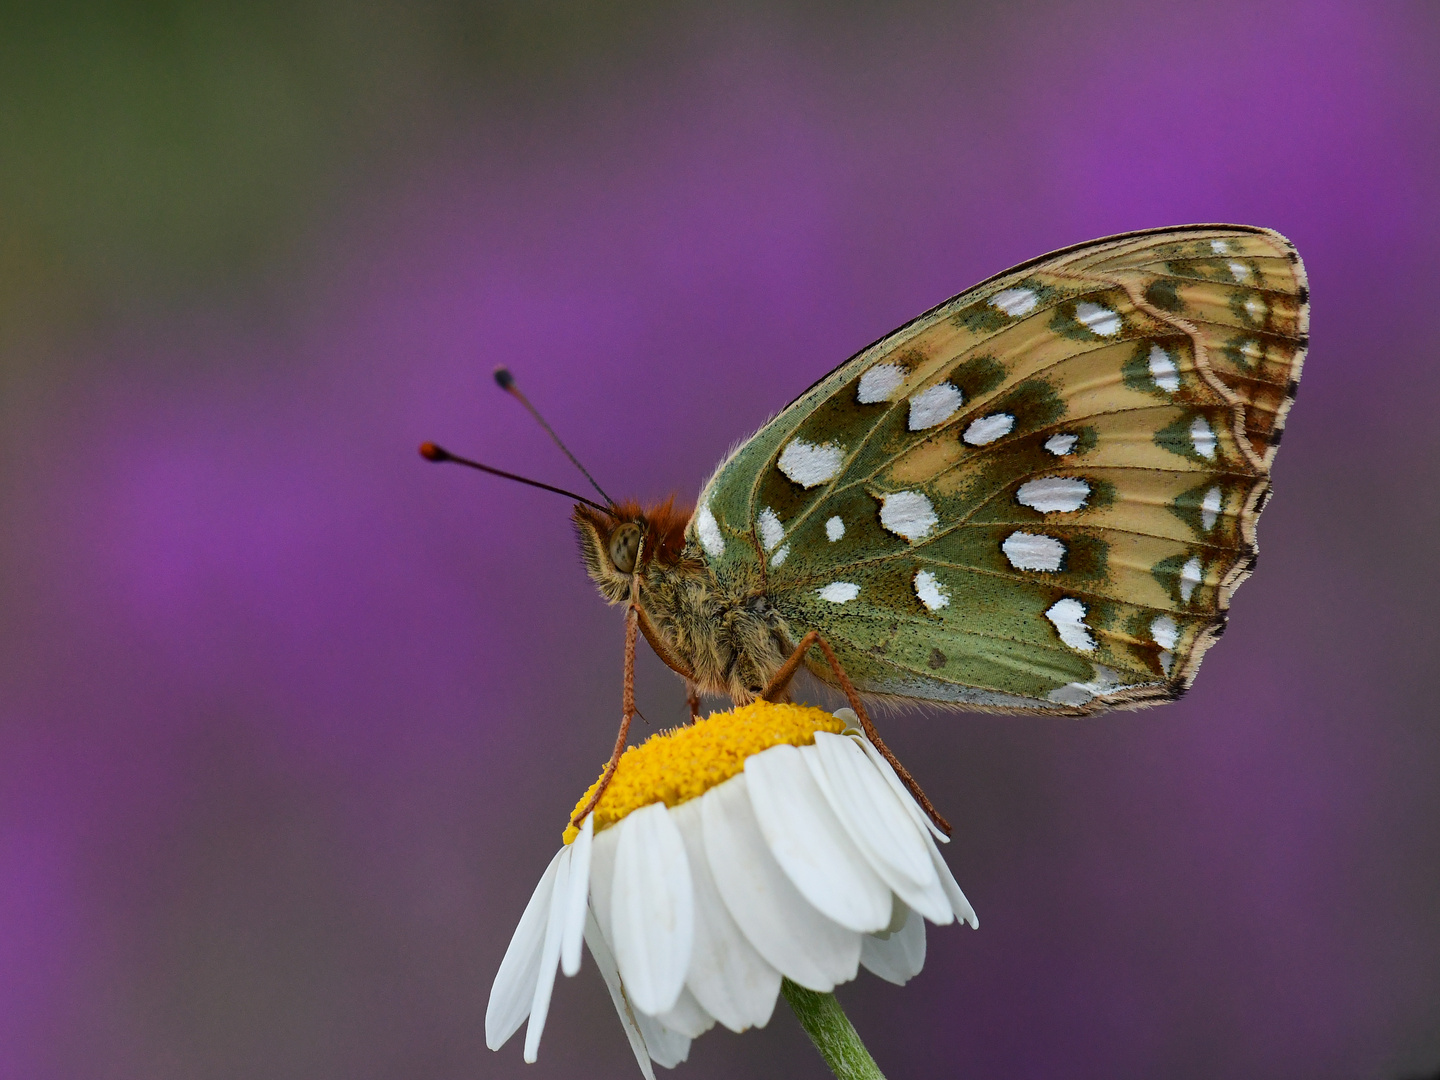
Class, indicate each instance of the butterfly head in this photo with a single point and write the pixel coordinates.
(616, 544)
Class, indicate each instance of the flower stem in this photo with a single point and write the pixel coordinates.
(832, 1033)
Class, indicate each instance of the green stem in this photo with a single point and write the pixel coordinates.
(832, 1033)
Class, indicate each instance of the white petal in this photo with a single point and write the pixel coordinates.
(898, 787)
(811, 845)
(652, 909)
(602, 878)
(688, 1017)
(729, 979)
(899, 957)
(668, 1048)
(605, 961)
(792, 936)
(549, 956)
(877, 822)
(963, 911)
(574, 917)
(514, 988)
(958, 904)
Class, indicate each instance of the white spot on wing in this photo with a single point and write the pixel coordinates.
(834, 528)
(880, 383)
(779, 556)
(1202, 437)
(1220, 247)
(708, 530)
(989, 428)
(1166, 635)
(1097, 318)
(1068, 615)
(1252, 350)
(1238, 270)
(1052, 494)
(1164, 631)
(1061, 445)
(771, 531)
(808, 465)
(1163, 370)
(1015, 302)
(1033, 551)
(840, 592)
(931, 593)
(1255, 307)
(908, 514)
(934, 406)
(1102, 681)
(1190, 577)
(1210, 508)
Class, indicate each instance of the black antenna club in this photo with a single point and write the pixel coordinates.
(430, 452)
(506, 381)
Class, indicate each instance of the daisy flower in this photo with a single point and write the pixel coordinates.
(770, 843)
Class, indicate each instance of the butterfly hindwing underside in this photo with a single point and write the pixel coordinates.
(1041, 494)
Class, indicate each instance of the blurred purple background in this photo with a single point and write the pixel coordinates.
(290, 721)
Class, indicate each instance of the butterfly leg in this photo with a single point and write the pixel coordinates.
(692, 700)
(627, 704)
(778, 686)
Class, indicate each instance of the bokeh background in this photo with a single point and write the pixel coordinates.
(290, 721)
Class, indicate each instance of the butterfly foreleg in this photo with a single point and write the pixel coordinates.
(777, 689)
(627, 702)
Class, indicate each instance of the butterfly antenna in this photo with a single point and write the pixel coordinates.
(430, 452)
(506, 382)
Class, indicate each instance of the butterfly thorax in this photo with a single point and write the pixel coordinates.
(726, 640)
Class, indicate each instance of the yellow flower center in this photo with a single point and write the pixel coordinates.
(676, 766)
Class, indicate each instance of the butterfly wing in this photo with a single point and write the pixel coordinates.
(1041, 494)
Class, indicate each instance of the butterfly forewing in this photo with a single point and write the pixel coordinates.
(1040, 494)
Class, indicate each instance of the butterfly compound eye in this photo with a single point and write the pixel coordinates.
(624, 545)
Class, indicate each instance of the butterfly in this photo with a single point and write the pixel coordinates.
(1037, 497)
